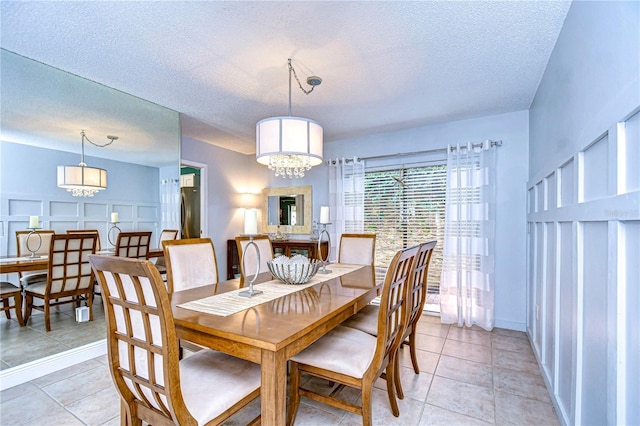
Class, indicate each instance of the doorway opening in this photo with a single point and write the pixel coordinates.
(193, 200)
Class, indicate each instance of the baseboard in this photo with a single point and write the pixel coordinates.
(41, 367)
(511, 325)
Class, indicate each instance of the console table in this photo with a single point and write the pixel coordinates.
(286, 247)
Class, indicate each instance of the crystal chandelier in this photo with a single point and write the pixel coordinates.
(290, 145)
(82, 180)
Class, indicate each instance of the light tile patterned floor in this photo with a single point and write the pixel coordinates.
(19, 345)
(468, 377)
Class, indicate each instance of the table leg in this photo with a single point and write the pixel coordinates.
(273, 392)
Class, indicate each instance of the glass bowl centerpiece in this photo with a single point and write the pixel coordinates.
(297, 269)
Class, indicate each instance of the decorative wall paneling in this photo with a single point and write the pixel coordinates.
(583, 278)
(80, 213)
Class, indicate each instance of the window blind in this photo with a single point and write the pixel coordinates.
(405, 207)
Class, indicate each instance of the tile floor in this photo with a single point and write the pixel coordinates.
(468, 377)
(19, 345)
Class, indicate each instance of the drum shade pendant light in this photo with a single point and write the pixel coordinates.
(290, 145)
(82, 180)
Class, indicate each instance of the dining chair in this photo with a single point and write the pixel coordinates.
(88, 231)
(190, 263)
(354, 358)
(27, 278)
(266, 253)
(133, 244)
(357, 249)
(9, 291)
(160, 262)
(418, 299)
(98, 248)
(154, 385)
(69, 277)
(366, 319)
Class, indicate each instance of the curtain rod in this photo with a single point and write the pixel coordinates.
(428, 151)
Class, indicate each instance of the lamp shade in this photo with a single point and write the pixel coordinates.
(251, 221)
(82, 180)
(289, 145)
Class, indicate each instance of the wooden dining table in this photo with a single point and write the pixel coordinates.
(271, 333)
(11, 264)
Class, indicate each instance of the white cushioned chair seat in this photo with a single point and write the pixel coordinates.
(226, 378)
(7, 287)
(38, 287)
(33, 278)
(343, 350)
(366, 320)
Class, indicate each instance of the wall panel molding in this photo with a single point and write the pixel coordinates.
(583, 217)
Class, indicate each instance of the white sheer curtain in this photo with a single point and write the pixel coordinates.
(346, 199)
(467, 285)
(170, 203)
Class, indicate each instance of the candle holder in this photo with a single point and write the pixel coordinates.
(325, 261)
(251, 291)
(114, 226)
(33, 252)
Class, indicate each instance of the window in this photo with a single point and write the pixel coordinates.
(405, 207)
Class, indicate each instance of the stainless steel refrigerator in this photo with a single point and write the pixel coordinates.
(190, 212)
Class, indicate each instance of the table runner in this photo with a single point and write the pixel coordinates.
(229, 303)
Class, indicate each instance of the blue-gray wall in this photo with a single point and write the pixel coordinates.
(28, 186)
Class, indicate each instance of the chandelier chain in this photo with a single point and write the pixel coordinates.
(111, 139)
(306, 92)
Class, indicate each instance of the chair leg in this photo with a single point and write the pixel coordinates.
(412, 349)
(18, 301)
(391, 389)
(27, 307)
(366, 404)
(5, 305)
(129, 415)
(294, 392)
(47, 312)
(397, 383)
(90, 305)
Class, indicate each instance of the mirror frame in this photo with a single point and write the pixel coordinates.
(289, 190)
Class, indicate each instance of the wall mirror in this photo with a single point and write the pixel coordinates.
(43, 111)
(287, 207)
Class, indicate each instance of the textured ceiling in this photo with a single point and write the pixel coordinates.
(385, 65)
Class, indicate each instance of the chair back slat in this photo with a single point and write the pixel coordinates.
(141, 336)
(419, 281)
(69, 267)
(133, 244)
(88, 231)
(393, 315)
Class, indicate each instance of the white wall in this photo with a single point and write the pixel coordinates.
(229, 175)
(512, 129)
(584, 216)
